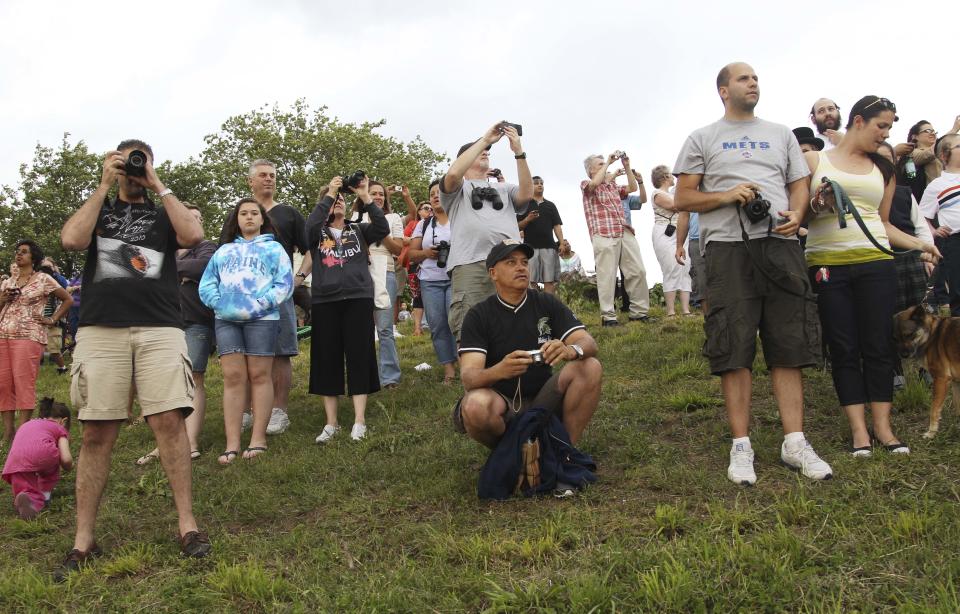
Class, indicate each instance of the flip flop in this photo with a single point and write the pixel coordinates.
(256, 450)
(146, 459)
(229, 456)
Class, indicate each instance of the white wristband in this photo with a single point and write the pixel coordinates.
(166, 192)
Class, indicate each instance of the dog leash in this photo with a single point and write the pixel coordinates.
(845, 206)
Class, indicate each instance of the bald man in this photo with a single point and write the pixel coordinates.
(755, 270)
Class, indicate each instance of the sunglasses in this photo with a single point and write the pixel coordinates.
(929, 131)
(884, 104)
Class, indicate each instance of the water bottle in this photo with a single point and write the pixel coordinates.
(909, 168)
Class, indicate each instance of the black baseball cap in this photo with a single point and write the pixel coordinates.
(502, 251)
(467, 146)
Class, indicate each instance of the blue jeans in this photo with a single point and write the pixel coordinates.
(389, 360)
(437, 296)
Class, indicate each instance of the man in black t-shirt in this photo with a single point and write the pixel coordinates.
(291, 233)
(539, 225)
(508, 347)
(130, 336)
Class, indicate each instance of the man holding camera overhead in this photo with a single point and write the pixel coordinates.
(508, 347)
(482, 214)
(748, 180)
(614, 244)
(131, 336)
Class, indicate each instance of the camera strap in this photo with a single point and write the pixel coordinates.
(759, 266)
(845, 205)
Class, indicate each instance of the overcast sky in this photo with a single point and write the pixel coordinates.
(581, 77)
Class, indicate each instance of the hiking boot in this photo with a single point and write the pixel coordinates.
(741, 470)
(279, 421)
(74, 560)
(801, 457)
(195, 545)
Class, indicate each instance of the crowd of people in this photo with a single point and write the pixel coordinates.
(749, 226)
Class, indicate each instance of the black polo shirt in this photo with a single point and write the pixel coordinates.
(496, 328)
(539, 232)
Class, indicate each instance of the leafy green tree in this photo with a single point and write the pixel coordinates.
(51, 188)
(309, 148)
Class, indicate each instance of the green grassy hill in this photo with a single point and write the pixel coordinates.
(393, 523)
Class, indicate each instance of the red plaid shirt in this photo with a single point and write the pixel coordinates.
(603, 210)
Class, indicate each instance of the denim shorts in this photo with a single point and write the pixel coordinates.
(253, 338)
(200, 340)
(286, 344)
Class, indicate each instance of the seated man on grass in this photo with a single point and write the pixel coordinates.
(509, 345)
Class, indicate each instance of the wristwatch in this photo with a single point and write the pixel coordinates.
(303, 275)
(520, 156)
(578, 350)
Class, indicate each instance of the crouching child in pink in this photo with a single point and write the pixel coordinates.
(40, 449)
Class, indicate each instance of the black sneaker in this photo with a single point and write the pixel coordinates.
(195, 545)
(74, 560)
(611, 323)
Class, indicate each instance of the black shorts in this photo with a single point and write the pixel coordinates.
(549, 397)
(777, 301)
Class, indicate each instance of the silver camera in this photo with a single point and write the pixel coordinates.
(537, 356)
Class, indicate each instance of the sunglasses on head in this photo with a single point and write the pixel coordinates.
(884, 103)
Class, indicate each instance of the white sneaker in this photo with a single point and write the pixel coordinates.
(327, 433)
(801, 457)
(358, 432)
(279, 421)
(247, 421)
(396, 333)
(740, 470)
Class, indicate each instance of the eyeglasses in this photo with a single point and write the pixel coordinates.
(928, 131)
(426, 208)
(884, 104)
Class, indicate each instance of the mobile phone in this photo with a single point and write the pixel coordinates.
(516, 127)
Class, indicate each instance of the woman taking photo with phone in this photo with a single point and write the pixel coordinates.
(343, 304)
(855, 281)
(244, 283)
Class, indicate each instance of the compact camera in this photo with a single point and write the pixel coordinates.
(136, 164)
(618, 155)
(516, 127)
(398, 188)
(758, 208)
(443, 251)
(669, 230)
(537, 356)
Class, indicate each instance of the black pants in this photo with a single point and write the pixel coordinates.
(343, 329)
(950, 271)
(856, 314)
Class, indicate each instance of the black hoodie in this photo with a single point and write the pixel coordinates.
(340, 266)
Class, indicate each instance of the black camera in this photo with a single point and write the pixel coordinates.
(352, 182)
(136, 164)
(443, 250)
(758, 208)
(669, 230)
(516, 127)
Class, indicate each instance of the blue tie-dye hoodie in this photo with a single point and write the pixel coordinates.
(247, 280)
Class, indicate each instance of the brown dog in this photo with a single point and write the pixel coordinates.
(936, 341)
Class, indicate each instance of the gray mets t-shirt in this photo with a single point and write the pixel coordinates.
(728, 153)
(474, 232)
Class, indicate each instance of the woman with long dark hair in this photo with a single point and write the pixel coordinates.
(23, 333)
(244, 283)
(343, 304)
(383, 272)
(855, 281)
